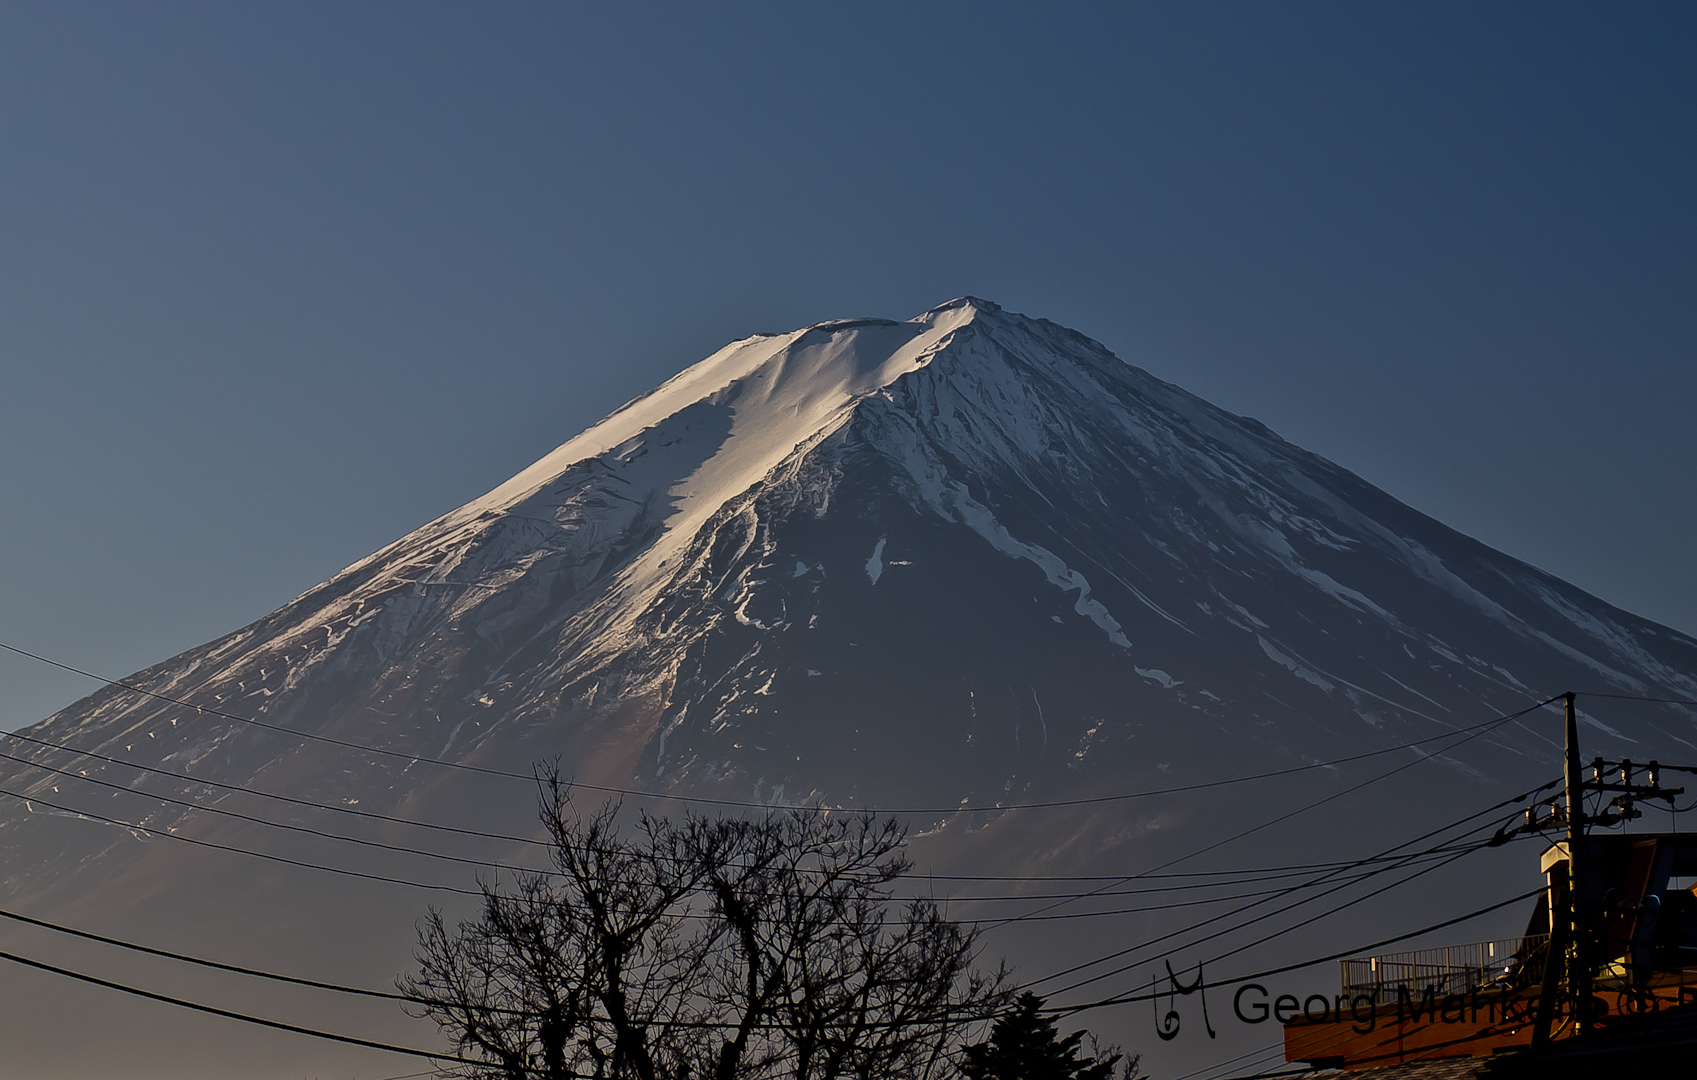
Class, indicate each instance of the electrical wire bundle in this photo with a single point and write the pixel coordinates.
(1258, 895)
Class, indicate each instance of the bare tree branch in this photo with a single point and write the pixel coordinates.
(706, 949)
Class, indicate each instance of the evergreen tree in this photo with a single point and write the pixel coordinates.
(1023, 1046)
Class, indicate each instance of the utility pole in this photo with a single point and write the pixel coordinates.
(1566, 949)
(1579, 940)
(1570, 956)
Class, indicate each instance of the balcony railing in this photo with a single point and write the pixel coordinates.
(1512, 963)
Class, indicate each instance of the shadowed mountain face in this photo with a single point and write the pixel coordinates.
(967, 560)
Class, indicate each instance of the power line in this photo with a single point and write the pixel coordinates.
(278, 824)
(337, 870)
(28, 799)
(202, 962)
(1119, 878)
(1127, 999)
(671, 1022)
(1321, 879)
(684, 914)
(1296, 926)
(1635, 697)
(523, 869)
(1473, 732)
(209, 710)
(1259, 872)
(470, 892)
(704, 800)
(232, 1015)
(1229, 1062)
(270, 975)
(387, 1047)
(1271, 914)
(446, 1057)
(335, 987)
(1308, 921)
(1400, 861)
(1242, 877)
(315, 984)
(358, 874)
(515, 839)
(1281, 1075)
(204, 782)
(1192, 903)
(496, 836)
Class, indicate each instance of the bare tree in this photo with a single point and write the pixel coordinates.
(714, 948)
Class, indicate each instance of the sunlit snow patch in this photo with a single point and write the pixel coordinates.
(875, 563)
(981, 521)
(1157, 675)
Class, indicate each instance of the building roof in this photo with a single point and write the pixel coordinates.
(1463, 1068)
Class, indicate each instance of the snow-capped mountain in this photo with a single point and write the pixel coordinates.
(934, 561)
(961, 561)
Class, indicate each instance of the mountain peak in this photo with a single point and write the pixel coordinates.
(752, 402)
(962, 303)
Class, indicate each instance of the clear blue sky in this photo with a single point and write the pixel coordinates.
(280, 282)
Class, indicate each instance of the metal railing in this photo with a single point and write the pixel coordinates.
(1514, 963)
